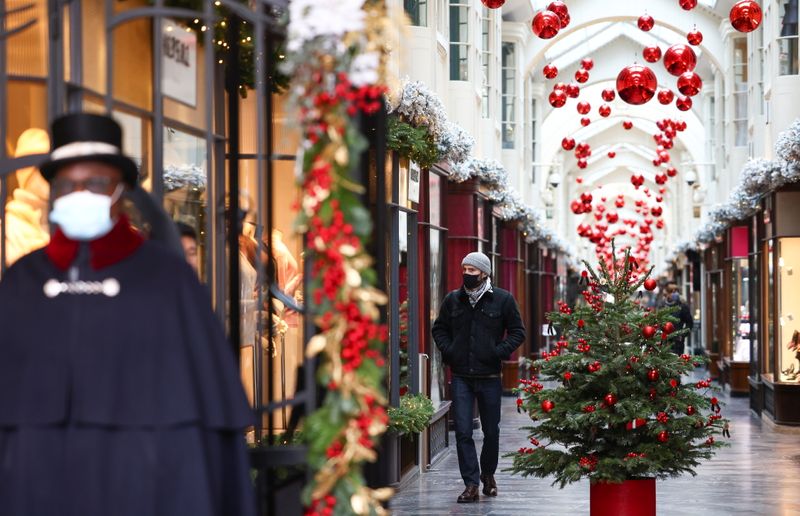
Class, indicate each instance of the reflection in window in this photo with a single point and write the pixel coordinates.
(459, 40)
(788, 57)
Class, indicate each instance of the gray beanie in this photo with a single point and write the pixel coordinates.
(478, 260)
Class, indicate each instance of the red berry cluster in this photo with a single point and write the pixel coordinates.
(531, 386)
(583, 345)
(362, 332)
(526, 450)
(634, 455)
(365, 98)
(321, 506)
(589, 409)
(704, 384)
(594, 366)
(710, 441)
(589, 462)
(662, 417)
(593, 297)
(564, 308)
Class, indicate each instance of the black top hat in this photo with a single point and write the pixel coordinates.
(88, 137)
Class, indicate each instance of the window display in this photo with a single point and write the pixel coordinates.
(788, 342)
(740, 310)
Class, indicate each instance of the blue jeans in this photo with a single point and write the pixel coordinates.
(488, 392)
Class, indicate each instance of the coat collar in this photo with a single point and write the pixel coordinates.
(116, 245)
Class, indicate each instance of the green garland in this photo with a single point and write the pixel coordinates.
(415, 143)
(413, 414)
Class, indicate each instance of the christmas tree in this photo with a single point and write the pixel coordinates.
(618, 408)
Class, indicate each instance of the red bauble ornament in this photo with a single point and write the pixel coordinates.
(608, 95)
(672, 172)
(548, 405)
(560, 8)
(688, 5)
(636, 84)
(746, 16)
(689, 84)
(585, 121)
(627, 125)
(567, 376)
(604, 110)
(679, 59)
(558, 98)
(663, 436)
(666, 97)
(579, 180)
(646, 22)
(656, 212)
(690, 410)
(610, 399)
(576, 207)
(612, 154)
(581, 75)
(650, 284)
(587, 63)
(620, 203)
(582, 163)
(668, 327)
(648, 331)
(663, 156)
(651, 54)
(673, 383)
(684, 103)
(583, 107)
(652, 374)
(573, 90)
(546, 24)
(694, 37)
(550, 71)
(568, 144)
(493, 4)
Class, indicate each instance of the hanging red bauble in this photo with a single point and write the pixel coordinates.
(668, 328)
(627, 125)
(652, 374)
(689, 410)
(648, 331)
(620, 202)
(663, 156)
(587, 63)
(651, 54)
(604, 110)
(636, 84)
(694, 37)
(684, 103)
(558, 98)
(679, 59)
(689, 84)
(650, 284)
(583, 107)
(665, 96)
(646, 22)
(656, 211)
(548, 405)
(568, 144)
(656, 162)
(573, 90)
(672, 172)
(561, 10)
(608, 94)
(581, 75)
(546, 24)
(582, 163)
(585, 121)
(493, 4)
(659, 198)
(662, 190)
(746, 16)
(661, 179)
(610, 399)
(579, 180)
(612, 154)
(660, 223)
(663, 436)
(550, 71)
(688, 5)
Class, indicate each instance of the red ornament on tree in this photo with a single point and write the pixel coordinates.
(546, 24)
(666, 97)
(604, 110)
(688, 5)
(550, 71)
(746, 16)
(548, 405)
(581, 75)
(689, 83)
(694, 37)
(561, 10)
(627, 125)
(689, 410)
(679, 59)
(493, 4)
(650, 284)
(652, 374)
(558, 98)
(684, 103)
(663, 436)
(610, 399)
(651, 54)
(567, 376)
(583, 107)
(636, 84)
(568, 144)
(668, 327)
(646, 22)
(608, 94)
(587, 63)
(648, 331)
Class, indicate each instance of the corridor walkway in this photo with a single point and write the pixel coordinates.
(759, 474)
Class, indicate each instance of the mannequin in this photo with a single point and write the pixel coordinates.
(26, 211)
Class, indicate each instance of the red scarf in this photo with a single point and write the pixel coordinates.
(116, 245)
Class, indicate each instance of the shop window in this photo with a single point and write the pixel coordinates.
(740, 310)
(459, 40)
(788, 278)
(788, 53)
(508, 78)
(26, 51)
(437, 293)
(768, 286)
(417, 11)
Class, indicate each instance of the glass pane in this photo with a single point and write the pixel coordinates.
(788, 13)
(740, 310)
(403, 337)
(788, 56)
(26, 50)
(740, 133)
(769, 306)
(417, 11)
(437, 293)
(435, 202)
(789, 309)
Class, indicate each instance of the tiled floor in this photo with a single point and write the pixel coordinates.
(759, 474)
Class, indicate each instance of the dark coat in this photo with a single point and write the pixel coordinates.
(125, 405)
(473, 341)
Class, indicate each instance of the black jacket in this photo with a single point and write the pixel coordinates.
(473, 341)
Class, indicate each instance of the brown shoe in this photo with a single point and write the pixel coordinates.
(470, 495)
(489, 485)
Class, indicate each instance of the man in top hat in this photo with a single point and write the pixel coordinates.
(479, 325)
(118, 391)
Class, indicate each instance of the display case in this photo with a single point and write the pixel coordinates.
(787, 346)
(736, 362)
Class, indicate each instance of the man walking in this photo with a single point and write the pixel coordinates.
(478, 326)
(672, 299)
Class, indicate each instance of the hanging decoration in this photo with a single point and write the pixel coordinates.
(550, 71)
(558, 98)
(746, 16)
(608, 94)
(665, 97)
(561, 10)
(646, 22)
(684, 103)
(679, 59)
(651, 54)
(694, 37)
(493, 4)
(546, 24)
(689, 83)
(581, 75)
(636, 84)
(687, 5)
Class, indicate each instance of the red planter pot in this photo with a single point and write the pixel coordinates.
(630, 498)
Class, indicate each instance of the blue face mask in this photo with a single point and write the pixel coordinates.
(84, 215)
(674, 297)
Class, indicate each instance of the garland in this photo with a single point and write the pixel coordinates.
(413, 142)
(337, 53)
(413, 414)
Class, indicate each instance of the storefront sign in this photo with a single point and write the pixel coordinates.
(413, 182)
(178, 63)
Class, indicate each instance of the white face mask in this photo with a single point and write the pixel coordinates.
(84, 215)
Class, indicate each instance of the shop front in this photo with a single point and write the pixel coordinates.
(715, 321)
(736, 351)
